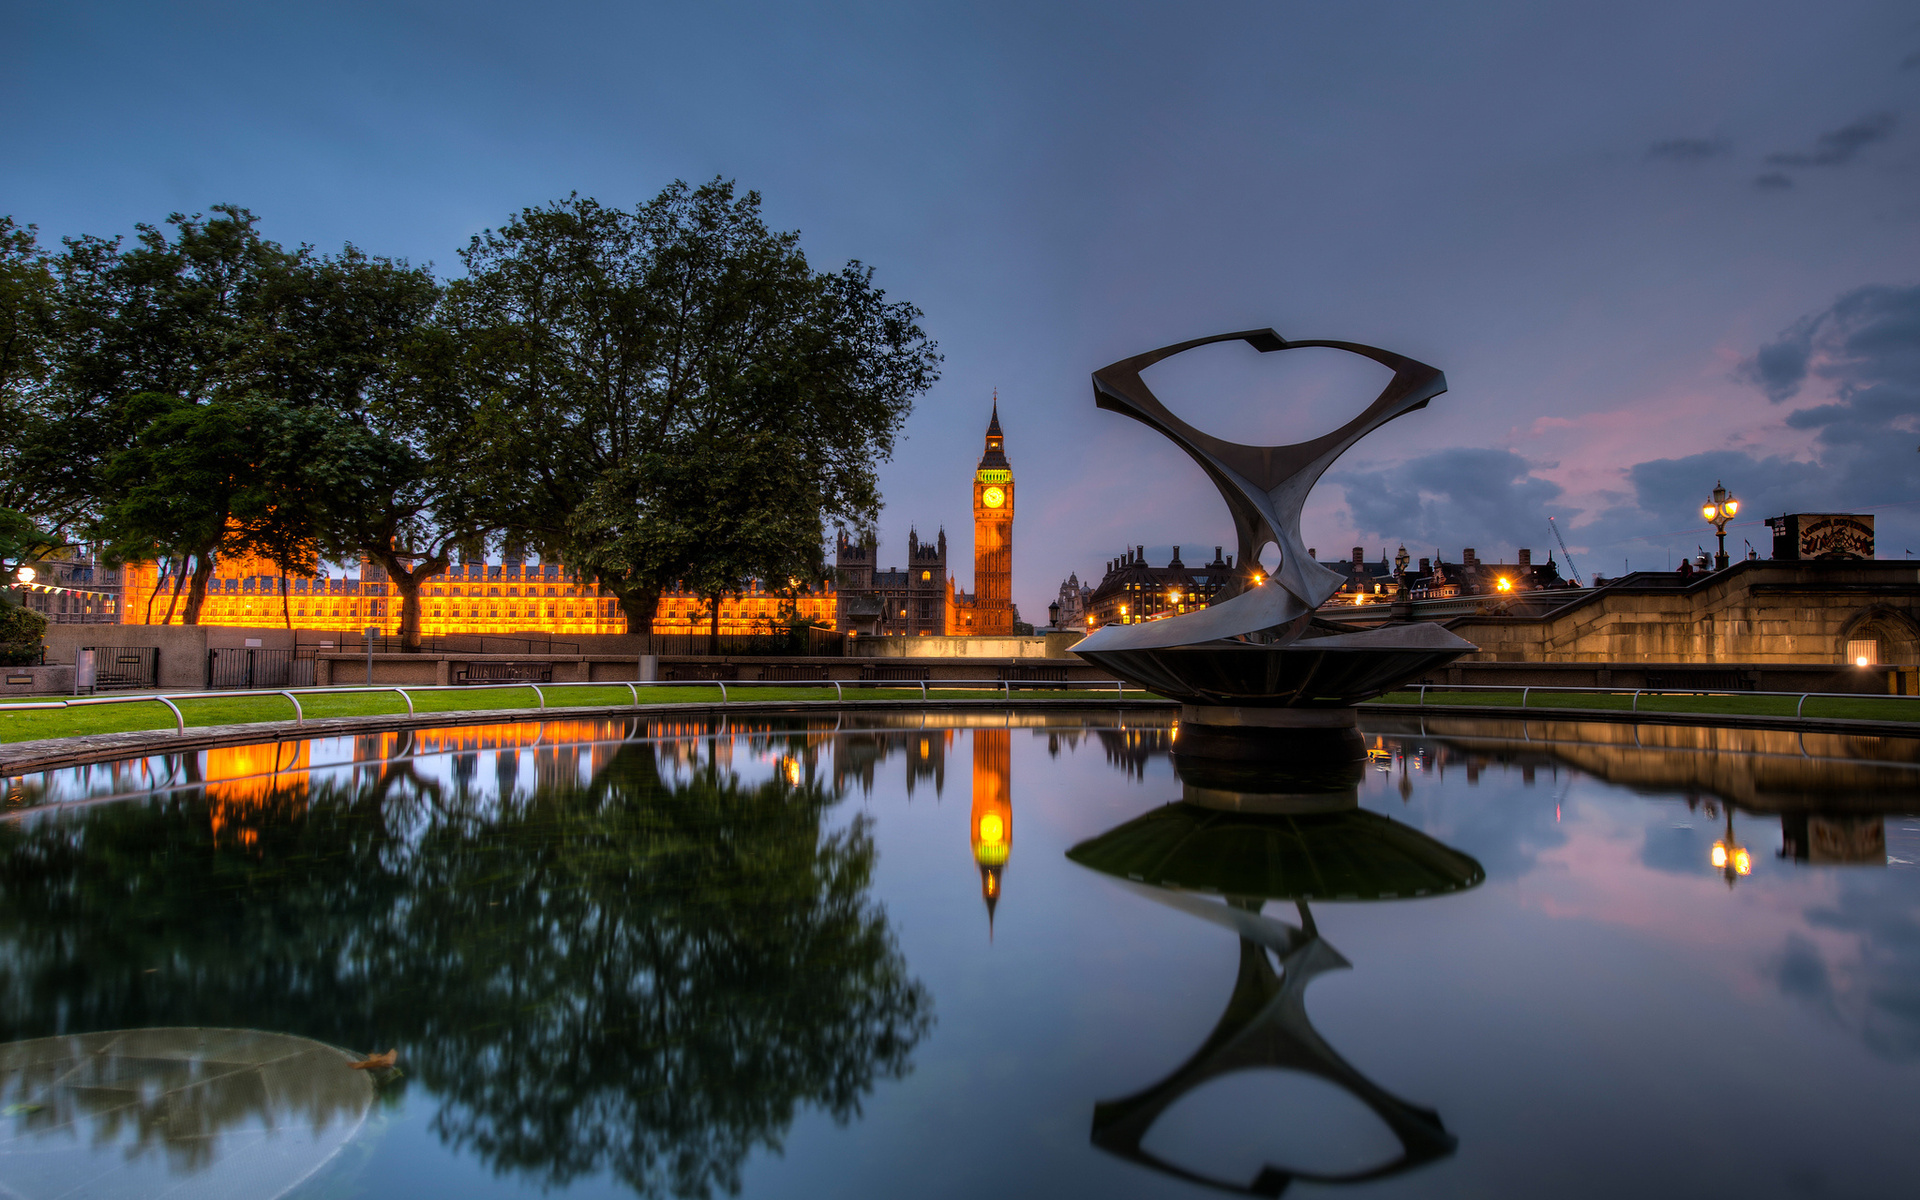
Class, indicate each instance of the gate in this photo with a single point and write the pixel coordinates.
(116, 667)
(231, 667)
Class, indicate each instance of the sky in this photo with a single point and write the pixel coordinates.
(1653, 246)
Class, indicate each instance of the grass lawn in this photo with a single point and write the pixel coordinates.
(215, 709)
(1859, 708)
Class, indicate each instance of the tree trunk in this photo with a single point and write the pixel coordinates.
(408, 581)
(179, 581)
(638, 603)
(152, 595)
(713, 627)
(197, 593)
(286, 608)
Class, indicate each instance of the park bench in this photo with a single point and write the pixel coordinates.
(791, 672)
(506, 673)
(891, 674)
(1015, 676)
(707, 672)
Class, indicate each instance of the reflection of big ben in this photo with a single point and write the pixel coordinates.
(993, 537)
(991, 824)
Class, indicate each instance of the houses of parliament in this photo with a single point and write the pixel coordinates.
(515, 596)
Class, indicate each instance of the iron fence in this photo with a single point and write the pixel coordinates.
(251, 667)
(119, 667)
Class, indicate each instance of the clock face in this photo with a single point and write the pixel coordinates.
(993, 497)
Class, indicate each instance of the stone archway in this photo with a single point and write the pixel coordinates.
(1895, 635)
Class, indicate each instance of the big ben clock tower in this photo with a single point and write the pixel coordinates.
(993, 536)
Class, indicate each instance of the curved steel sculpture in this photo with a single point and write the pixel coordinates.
(1260, 650)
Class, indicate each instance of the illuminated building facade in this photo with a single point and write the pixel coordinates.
(990, 824)
(468, 598)
(1133, 591)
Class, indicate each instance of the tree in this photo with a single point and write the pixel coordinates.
(628, 351)
(31, 519)
(154, 386)
(376, 456)
(184, 485)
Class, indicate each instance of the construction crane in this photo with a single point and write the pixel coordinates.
(1573, 572)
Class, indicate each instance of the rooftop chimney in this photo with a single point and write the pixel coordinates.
(1526, 558)
(1469, 558)
(1359, 555)
(1425, 568)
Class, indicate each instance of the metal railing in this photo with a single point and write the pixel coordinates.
(1006, 689)
(1634, 706)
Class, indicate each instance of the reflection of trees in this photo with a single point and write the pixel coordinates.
(624, 975)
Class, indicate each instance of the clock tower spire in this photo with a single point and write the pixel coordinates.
(993, 535)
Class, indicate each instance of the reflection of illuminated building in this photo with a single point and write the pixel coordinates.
(248, 784)
(1292, 839)
(991, 823)
(1831, 791)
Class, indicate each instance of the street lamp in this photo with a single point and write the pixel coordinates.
(24, 575)
(1053, 615)
(1718, 512)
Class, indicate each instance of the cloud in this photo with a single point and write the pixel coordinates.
(1689, 149)
(1862, 355)
(1841, 145)
(1773, 180)
(1910, 61)
(1487, 499)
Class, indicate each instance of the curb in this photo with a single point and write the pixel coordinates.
(1899, 729)
(48, 754)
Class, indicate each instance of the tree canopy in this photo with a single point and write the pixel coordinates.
(664, 395)
(653, 366)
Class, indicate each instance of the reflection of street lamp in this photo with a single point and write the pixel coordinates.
(1718, 513)
(1730, 858)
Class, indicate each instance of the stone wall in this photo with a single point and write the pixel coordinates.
(1050, 645)
(1752, 613)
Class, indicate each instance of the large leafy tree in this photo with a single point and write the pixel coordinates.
(375, 455)
(640, 360)
(31, 519)
(154, 380)
(214, 393)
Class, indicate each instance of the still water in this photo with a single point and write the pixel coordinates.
(965, 955)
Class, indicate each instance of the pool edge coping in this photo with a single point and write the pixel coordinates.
(1615, 716)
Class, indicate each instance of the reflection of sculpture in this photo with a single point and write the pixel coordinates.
(990, 824)
(130, 1112)
(1257, 657)
(634, 975)
(1248, 856)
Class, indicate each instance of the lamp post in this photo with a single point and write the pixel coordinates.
(1718, 512)
(1053, 615)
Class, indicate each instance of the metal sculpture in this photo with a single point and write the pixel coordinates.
(1260, 647)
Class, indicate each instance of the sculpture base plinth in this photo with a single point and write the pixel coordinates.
(1270, 735)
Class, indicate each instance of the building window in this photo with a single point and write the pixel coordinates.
(1863, 653)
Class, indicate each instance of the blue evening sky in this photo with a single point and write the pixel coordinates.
(1651, 244)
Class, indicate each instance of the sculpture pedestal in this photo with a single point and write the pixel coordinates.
(1270, 735)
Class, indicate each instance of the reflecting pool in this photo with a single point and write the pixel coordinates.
(961, 955)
